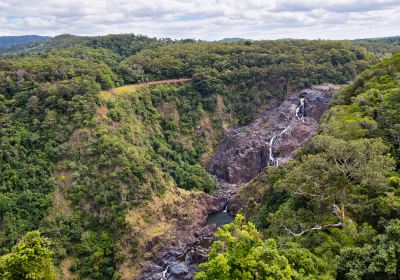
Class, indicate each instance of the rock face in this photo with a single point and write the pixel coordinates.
(246, 151)
(179, 258)
(242, 154)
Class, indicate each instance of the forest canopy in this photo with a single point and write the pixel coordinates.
(75, 156)
(339, 200)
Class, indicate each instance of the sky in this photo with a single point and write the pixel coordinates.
(204, 19)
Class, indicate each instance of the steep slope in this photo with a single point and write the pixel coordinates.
(339, 200)
(83, 166)
(272, 138)
(179, 259)
(117, 170)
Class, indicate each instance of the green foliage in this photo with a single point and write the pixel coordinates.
(44, 99)
(97, 250)
(373, 99)
(206, 81)
(73, 161)
(304, 263)
(347, 122)
(381, 46)
(37, 116)
(31, 258)
(249, 75)
(340, 199)
(351, 174)
(378, 259)
(240, 253)
(121, 44)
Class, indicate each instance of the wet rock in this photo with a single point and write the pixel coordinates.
(226, 190)
(183, 255)
(156, 276)
(234, 205)
(244, 152)
(178, 269)
(153, 272)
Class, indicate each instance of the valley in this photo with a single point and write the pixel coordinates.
(243, 153)
(271, 159)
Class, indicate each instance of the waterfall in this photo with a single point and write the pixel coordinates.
(300, 110)
(272, 160)
(271, 154)
(300, 114)
(226, 209)
(164, 273)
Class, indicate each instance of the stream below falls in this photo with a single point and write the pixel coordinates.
(219, 218)
(184, 265)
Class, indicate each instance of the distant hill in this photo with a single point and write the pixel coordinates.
(6, 41)
(122, 44)
(380, 46)
(9, 43)
(234, 40)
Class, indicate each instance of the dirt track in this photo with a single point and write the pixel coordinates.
(170, 81)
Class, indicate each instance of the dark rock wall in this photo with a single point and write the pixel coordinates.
(244, 151)
(242, 154)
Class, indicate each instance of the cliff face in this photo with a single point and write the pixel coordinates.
(171, 234)
(243, 153)
(272, 138)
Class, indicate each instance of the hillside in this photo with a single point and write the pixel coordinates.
(122, 45)
(110, 165)
(11, 43)
(381, 46)
(334, 210)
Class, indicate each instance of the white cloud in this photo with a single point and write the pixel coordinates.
(203, 19)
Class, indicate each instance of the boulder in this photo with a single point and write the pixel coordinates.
(178, 269)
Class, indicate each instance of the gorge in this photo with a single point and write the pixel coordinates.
(242, 154)
(124, 156)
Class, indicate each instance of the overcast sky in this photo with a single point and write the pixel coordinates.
(204, 19)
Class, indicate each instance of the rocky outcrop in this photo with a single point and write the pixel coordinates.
(180, 259)
(245, 151)
(189, 243)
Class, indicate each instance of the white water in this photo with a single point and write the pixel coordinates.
(300, 114)
(226, 209)
(271, 154)
(164, 273)
(300, 110)
(272, 159)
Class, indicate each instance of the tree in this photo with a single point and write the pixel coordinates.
(379, 259)
(345, 176)
(305, 264)
(31, 259)
(240, 253)
(347, 122)
(207, 81)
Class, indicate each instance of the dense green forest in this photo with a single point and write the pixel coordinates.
(332, 213)
(75, 157)
(380, 46)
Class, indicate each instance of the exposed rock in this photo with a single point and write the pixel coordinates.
(180, 257)
(235, 204)
(244, 151)
(226, 190)
(242, 154)
(178, 269)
